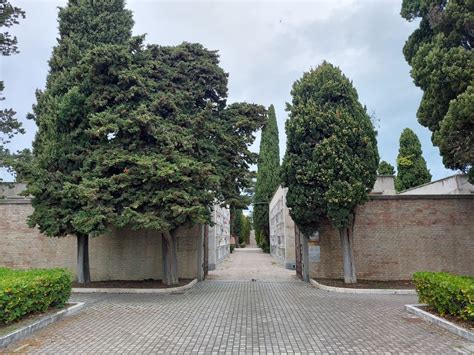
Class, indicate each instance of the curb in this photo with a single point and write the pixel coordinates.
(373, 291)
(163, 291)
(443, 323)
(26, 331)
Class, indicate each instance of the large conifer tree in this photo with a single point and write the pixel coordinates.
(62, 143)
(136, 136)
(331, 156)
(411, 166)
(442, 65)
(268, 176)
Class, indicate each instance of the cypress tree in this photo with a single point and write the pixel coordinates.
(411, 166)
(62, 142)
(268, 176)
(385, 168)
(331, 157)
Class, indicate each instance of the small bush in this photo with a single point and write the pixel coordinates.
(242, 245)
(447, 293)
(232, 247)
(28, 291)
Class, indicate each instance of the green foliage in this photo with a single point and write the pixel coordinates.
(440, 55)
(246, 227)
(132, 135)
(447, 293)
(63, 203)
(9, 125)
(331, 158)
(385, 168)
(455, 136)
(411, 166)
(268, 175)
(27, 291)
(236, 227)
(232, 247)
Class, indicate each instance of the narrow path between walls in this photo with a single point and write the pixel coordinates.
(245, 264)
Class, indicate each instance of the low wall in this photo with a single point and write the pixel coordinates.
(119, 255)
(395, 236)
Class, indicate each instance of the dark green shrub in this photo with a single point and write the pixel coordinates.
(242, 245)
(447, 293)
(28, 291)
(232, 247)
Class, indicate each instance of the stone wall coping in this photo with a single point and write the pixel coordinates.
(422, 197)
(15, 201)
(27, 330)
(26, 201)
(373, 291)
(162, 291)
(441, 322)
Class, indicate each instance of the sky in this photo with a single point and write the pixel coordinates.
(265, 46)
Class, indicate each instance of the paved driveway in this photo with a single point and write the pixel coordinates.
(243, 317)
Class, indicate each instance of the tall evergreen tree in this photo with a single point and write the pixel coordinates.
(268, 176)
(331, 157)
(385, 168)
(155, 144)
(442, 61)
(411, 166)
(62, 142)
(9, 125)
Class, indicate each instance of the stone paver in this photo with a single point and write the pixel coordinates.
(245, 264)
(243, 317)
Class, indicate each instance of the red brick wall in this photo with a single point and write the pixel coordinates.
(121, 255)
(395, 236)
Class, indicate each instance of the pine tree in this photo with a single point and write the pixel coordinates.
(331, 157)
(9, 125)
(62, 142)
(411, 166)
(268, 176)
(442, 65)
(385, 168)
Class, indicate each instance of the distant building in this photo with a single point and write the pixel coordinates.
(282, 230)
(451, 185)
(219, 236)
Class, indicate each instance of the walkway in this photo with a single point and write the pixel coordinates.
(243, 317)
(245, 264)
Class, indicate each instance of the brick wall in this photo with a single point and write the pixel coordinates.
(395, 236)
(119, 255)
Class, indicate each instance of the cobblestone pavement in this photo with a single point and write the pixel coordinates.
(245, 264)
(243, 317)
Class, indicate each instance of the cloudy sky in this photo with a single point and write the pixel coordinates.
(264, 46)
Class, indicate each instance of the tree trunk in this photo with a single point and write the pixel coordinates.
(83, 270)
(305, 257)
(170, 258)
(347, 246)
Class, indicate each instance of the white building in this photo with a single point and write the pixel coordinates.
(455, 184)
(282, 230)
(219, 236)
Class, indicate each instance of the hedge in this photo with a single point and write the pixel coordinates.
(28, 291)
(447, 293)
